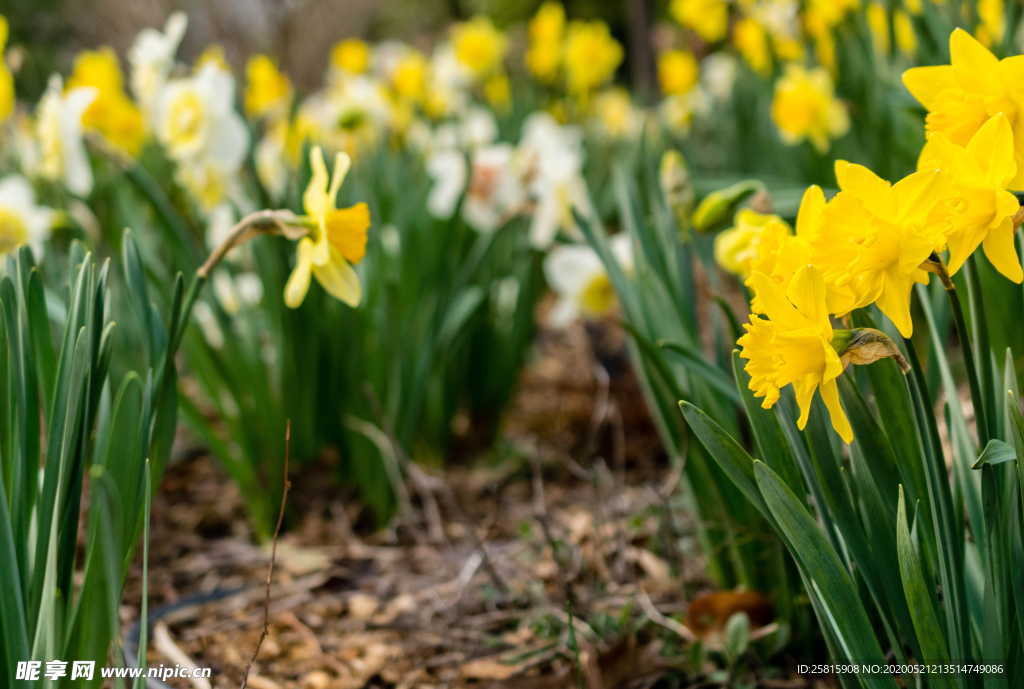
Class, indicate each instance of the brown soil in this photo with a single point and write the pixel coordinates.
(476, 583)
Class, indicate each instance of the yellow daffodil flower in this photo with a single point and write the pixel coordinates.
(792, 345)
(268, 90)
(877, 235)
(677, 72)
(351, 56)
(751, 42)
(805, 107)
(544, 55)
(591, 56)
(112, 114)
(478, 45)
(337, 238)
(980, 210)
(708, 18)
(902, 29)
(779, 255)
(737, 247)
(498, 92)
(6, 78)
(991, 21)
(906, 36)
(877, 17)
(409, 78)
(960, 97)
(820, 20)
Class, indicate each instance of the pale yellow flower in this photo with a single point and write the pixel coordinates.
(337, 238)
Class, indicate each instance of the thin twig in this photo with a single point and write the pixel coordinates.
(273, 555)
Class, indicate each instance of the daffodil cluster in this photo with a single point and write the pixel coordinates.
(874, 240)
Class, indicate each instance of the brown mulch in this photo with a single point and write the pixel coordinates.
(566, 565)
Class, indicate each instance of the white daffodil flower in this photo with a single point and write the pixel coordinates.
(494, 194)
(580, 282)
(718, 74)
(551, 158)
(59, 132)
(151, 58)
(197, 118)
(477, 127)
(22, 222)
(447, 168)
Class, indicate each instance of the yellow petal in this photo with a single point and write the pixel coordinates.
(841, 424)
(861, 182)
(894, 301)
(342, 163)
(917, 193)
(991, 147)
(804, 389)
(974, 64)
(806, 292)
(939, 153)
(776, 305)
(927, 84)
(961, 245)
(339, 279)
(1002, 252)
(812, 208)
(315, 197)
(298, 282)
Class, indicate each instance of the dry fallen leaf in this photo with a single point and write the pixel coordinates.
(362, 606)
(490, 667)
(299, 560)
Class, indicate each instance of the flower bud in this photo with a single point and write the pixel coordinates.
(718, 207)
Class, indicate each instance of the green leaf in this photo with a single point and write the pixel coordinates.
(696, 362)
(734, 460)
(737, 637)
(930, 636)
(842, 608)
(772, 442)
(995, 452)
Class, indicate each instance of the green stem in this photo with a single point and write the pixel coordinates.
(981, 411)
(981, 346)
